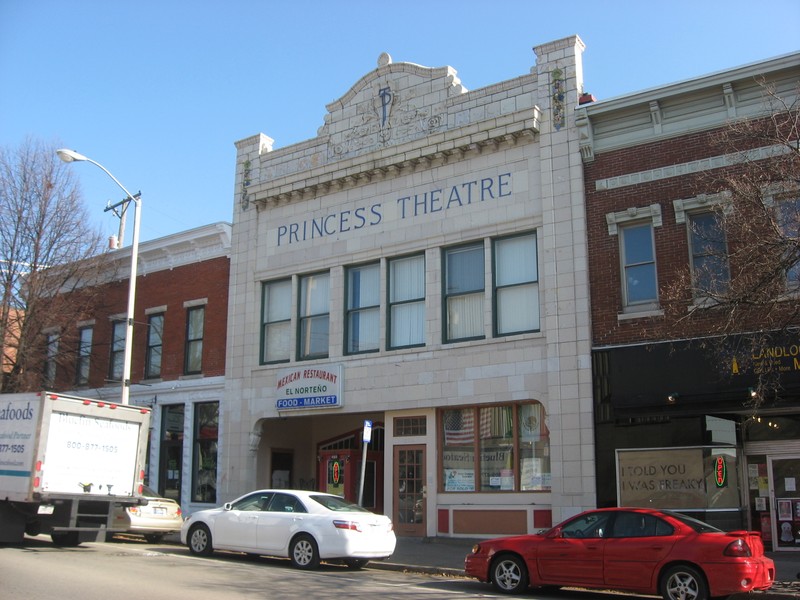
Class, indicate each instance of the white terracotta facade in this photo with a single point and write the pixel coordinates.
(409, 163)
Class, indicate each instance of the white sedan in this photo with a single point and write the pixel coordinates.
(301, 525)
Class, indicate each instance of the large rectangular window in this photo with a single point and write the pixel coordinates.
(204, 469)
(155, 345)
(117, 356)
(464, 285)
(495, 448)
(710, 274)
(638, 266)
(314, 316)
(407, 302)
(50, 360)
(276, 321)
(516, 285)
(789, 223)
(193, 353)
(84, 355)
(363, 309)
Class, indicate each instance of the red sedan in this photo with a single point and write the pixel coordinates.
(636, 550)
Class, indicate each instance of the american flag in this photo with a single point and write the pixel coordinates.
(459, 427)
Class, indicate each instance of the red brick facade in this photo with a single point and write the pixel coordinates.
(205, 281)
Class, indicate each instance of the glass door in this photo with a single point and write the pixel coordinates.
(409, 490)
(785, 486)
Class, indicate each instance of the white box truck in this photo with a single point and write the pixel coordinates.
(66, 463)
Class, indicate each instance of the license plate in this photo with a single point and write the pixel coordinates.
(46, 509)
(159, 510)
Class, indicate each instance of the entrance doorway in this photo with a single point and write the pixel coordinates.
(281, 475)
(784, 474)
(409, 491)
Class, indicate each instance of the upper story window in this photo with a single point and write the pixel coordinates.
(406, 301)
(276, 321)
(638, 253)
(709, 254)
(84, 355)
(363, 309)
(464, 285)
(155, 345)
(516, 285)
(314, 315)
(117, 356)
(193, 353)
(50, 359)
(789, 221)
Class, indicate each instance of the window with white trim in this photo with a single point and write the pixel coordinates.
(788, 212)
(464, 285)
(193, 353)
(406, 314)
(155, 345)
(314, 316)
(276, 321)
(117, 355)
(708, 253)
(362, 317)
(637, 249)
(516, 293)
(84, 355)
(50, 359)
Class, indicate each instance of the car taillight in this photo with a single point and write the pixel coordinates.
(134, 510)
(351, 525)
(476, 548)
(738, 548)
(178, 512)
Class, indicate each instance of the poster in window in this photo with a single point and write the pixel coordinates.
(459, 480)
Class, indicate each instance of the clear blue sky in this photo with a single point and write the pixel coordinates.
(158, 91)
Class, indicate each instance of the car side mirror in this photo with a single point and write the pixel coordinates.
(554, 533)
(227, 506)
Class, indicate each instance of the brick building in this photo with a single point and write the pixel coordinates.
(178, 359)
(421, 265)
(675, 425)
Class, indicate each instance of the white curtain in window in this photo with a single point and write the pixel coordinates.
(276, 343)
(407, 279)
(315, 292)
(518, 308)
(364, 333)
(408, 324)
(465, 316)
(364, 286)
(278, 301)
(516, 260)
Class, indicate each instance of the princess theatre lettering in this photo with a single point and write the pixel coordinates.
(416, 204)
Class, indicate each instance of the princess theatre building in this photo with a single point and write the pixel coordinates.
(416, 276)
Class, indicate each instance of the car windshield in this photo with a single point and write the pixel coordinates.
(337, 504)
(150, 492)
(698, 526)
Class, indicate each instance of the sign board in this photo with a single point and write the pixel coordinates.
(367, 431)
(309, 387)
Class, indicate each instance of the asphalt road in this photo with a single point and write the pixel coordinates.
(121, 570)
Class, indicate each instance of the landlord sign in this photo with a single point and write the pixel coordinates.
(309, 387)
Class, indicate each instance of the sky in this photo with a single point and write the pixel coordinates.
(159, 91)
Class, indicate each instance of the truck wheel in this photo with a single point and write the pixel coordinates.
(66, 539)
(200, 540)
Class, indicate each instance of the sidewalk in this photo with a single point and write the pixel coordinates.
(445, 556)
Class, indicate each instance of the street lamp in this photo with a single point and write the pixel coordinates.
(72, 156)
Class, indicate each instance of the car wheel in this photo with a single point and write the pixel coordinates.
(683, 582)
(154, 538)
(199, 541)
(303, 552)
(509, 574)
(356, 563)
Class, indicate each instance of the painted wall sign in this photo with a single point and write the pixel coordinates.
(312, 387)
(414, 204)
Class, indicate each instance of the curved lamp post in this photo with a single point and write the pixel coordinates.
(72, 156)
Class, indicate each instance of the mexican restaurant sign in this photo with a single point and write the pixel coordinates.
(309, 387)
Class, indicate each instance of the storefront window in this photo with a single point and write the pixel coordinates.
(204, 476)
(686, 479)
(504, 448)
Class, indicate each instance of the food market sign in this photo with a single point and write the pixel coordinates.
(309, 387)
